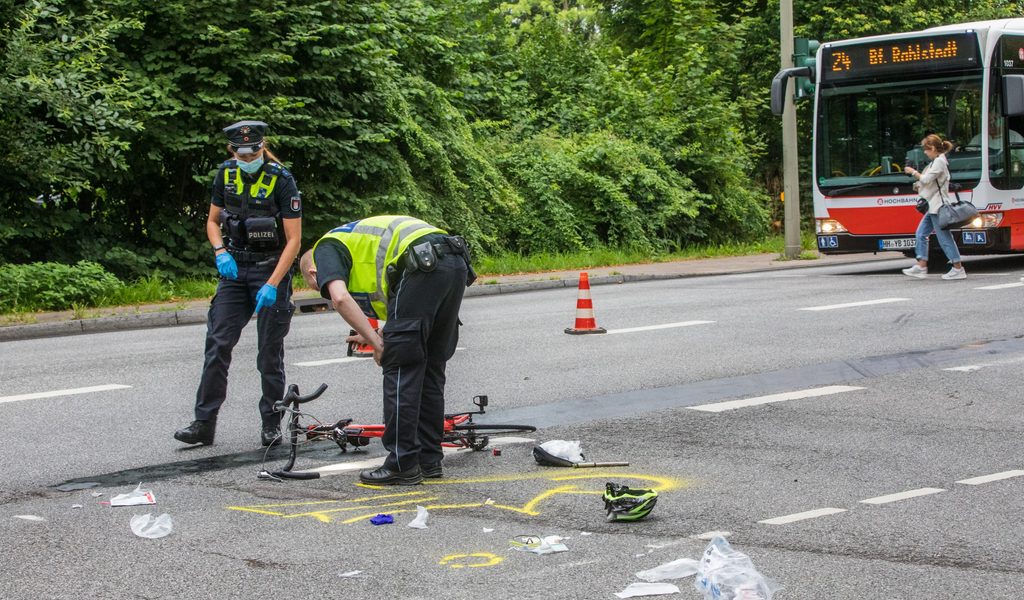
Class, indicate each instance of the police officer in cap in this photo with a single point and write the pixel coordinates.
(412, 275)
(254, 226)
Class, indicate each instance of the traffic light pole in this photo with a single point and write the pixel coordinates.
(790, 173)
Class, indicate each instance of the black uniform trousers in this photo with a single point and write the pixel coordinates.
(230, 310)
(420, 335)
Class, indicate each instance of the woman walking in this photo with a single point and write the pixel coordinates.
(933, 185)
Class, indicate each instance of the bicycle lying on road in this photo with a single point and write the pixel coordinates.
(460, 431)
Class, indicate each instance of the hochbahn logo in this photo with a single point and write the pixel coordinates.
(897, 201)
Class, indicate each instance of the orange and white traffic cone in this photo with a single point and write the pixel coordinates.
(363, 350)
(585, 322)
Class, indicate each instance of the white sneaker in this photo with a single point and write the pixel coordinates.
(955, 273)
(916, 271)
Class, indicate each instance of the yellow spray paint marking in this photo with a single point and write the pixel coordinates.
(491, 560)
(324, 516)
(405, 499)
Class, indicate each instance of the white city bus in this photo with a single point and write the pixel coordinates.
(876, 97)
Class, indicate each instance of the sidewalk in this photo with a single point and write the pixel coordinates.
(193, 312)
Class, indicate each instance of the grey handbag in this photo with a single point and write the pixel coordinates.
(956, 214)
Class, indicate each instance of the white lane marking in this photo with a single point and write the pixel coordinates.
(902, 496)
(854, 304)
(664, 326)
(330, 361)
(811, 514)
(373, 463)
(966, 368)
(1001, 286)
(745, 402)
(990, 478)
(68, 392)
(337, 361)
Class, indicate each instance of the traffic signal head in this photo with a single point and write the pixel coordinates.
(805, 52)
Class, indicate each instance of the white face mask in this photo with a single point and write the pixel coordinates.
(251, 166)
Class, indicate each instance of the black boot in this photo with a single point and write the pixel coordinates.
(270, 435)
(199, 432)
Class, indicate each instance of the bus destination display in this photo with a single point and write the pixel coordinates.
(908, 55)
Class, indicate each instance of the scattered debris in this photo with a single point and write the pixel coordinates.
(351, 574)
(29, 517)
(97, 494)
(728, 573)
(488, 529)
(146, 526)
(539, 545)
(136, 497)
(420, 522)
(586, 533)
(677, 569)
(76, 506)
(382, 519)
(647, 589)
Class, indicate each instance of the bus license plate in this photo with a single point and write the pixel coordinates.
(897, 244)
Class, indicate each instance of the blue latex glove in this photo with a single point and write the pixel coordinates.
(267, 296)
(227, 266)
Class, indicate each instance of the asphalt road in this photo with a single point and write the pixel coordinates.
(859, 385)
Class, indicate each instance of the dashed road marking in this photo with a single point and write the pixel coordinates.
(68, 392)
(855, 304)
(990, 478)
(745, 402)
(663, 326)
(330, 361)
(803, 516)
(1002, 286)
(902, 496)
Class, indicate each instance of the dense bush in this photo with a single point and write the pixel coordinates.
(525, 125)
(54, 286)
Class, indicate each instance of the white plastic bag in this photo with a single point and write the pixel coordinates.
(134, 498)
(146, 526)
(677, 569)
(420, 522)
(728, 574)
(570, 451)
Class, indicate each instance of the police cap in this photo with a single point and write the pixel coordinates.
(246, 137)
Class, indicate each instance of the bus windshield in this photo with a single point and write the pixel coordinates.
(868, 133)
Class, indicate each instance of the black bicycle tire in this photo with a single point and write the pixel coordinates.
(493, 428)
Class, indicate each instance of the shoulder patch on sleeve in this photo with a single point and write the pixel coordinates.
(277, 169)
(295, 203)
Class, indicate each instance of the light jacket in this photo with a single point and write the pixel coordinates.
(933, 185)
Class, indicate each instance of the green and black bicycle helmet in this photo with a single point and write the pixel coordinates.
(626, 504)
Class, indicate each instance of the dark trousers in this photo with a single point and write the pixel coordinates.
(230, 310)
(420, 336)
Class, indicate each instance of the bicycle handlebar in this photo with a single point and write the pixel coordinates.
(293, 397)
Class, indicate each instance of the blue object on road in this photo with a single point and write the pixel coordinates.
(382, 519)
(267, 296)
(226, 266)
